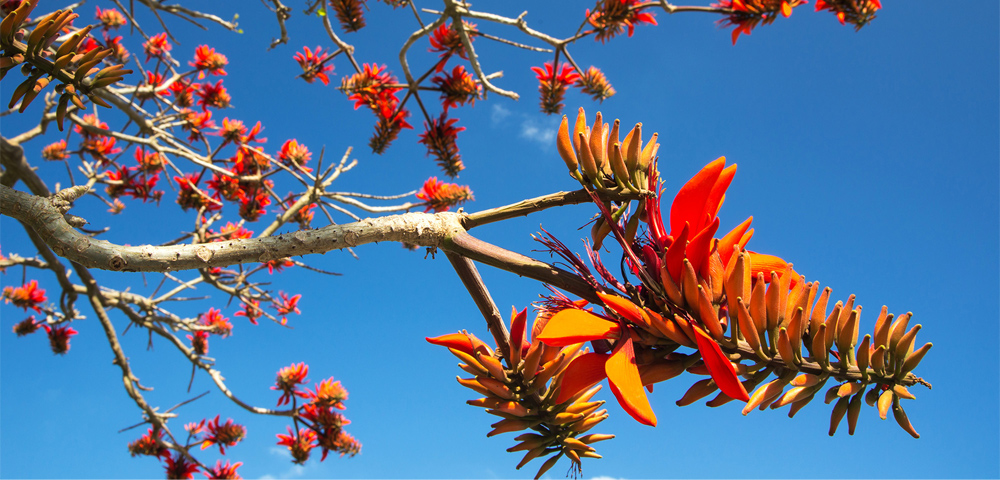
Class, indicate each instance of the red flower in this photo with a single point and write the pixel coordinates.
(300, 445)
(226, 471)
(206, 58)
(27, 326)
(289, 378)
(328, 394)
(199, 342)
(59, 338)
(288, 305)
(251, 309)
(149, 163)
(856, 12)
(552, 87)
(747, 14)
(278, 264)
(119, 54)
(314, 65)
(180, 467)
(440, 138)
(190, 196)
(446, 40)
(110, 19)
(294, 153)
(458, 88)
(100, 148)
(611, 17)
(26, 296)
(220, 325)
(349, 14)
(225, 435)
(55, 151)
(214, 96)
(252, 204)
(184, 95)
(147, 445)
(157, 46)
(232, 231)
(441, 196)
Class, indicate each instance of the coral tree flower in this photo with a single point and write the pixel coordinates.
(440, 196)
(314, 65)
(26, 296)
(221, 471)
(289, 378)
(857, 13)
(441, 139)
(747, 14)
(552, 86)
(206, 58)
(611, 17)
(571, 326)
(224, 435)
(59, 338)
(157, 46)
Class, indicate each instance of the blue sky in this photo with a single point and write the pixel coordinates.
(868, 159)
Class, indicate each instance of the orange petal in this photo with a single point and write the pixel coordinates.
(786, 9)
(625, 308)
(571, 326)
(583, 372)
(700, 247)
(731, 239)
(719, 366)
(458, 341)
(674, 258)
(718, 194)
(623, 375)
(766, 264)
(517, 327)
(689, 204)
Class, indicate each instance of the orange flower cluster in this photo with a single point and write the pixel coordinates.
(440, 138)
(373, 88)
(325, 425)
(611, 17)
(695, 286)
(440, 196)
(26, 296)
(314, 65)
(552, 86)
(747, 14)
(528, 393)
(855, 12)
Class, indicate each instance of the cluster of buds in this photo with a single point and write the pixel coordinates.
(71, 63)
(349, 14)
(530, 392)
(597, 157)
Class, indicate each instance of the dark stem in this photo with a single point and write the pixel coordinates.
(466, 271)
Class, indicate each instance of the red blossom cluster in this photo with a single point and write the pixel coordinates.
(26, 296)
(440, 138)
(447, 41)
(856, 12)
(314, 65)
(458, 88)
(157, 46)
(207, 59)
(324, 423)
(552, 86)
(747, 14)
(440, 196)
(376, 89)
(55, 151)
(611, 17)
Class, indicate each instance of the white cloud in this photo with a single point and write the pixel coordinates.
(604, 478)
(500, 113)
(294, 471)
(545, 136)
